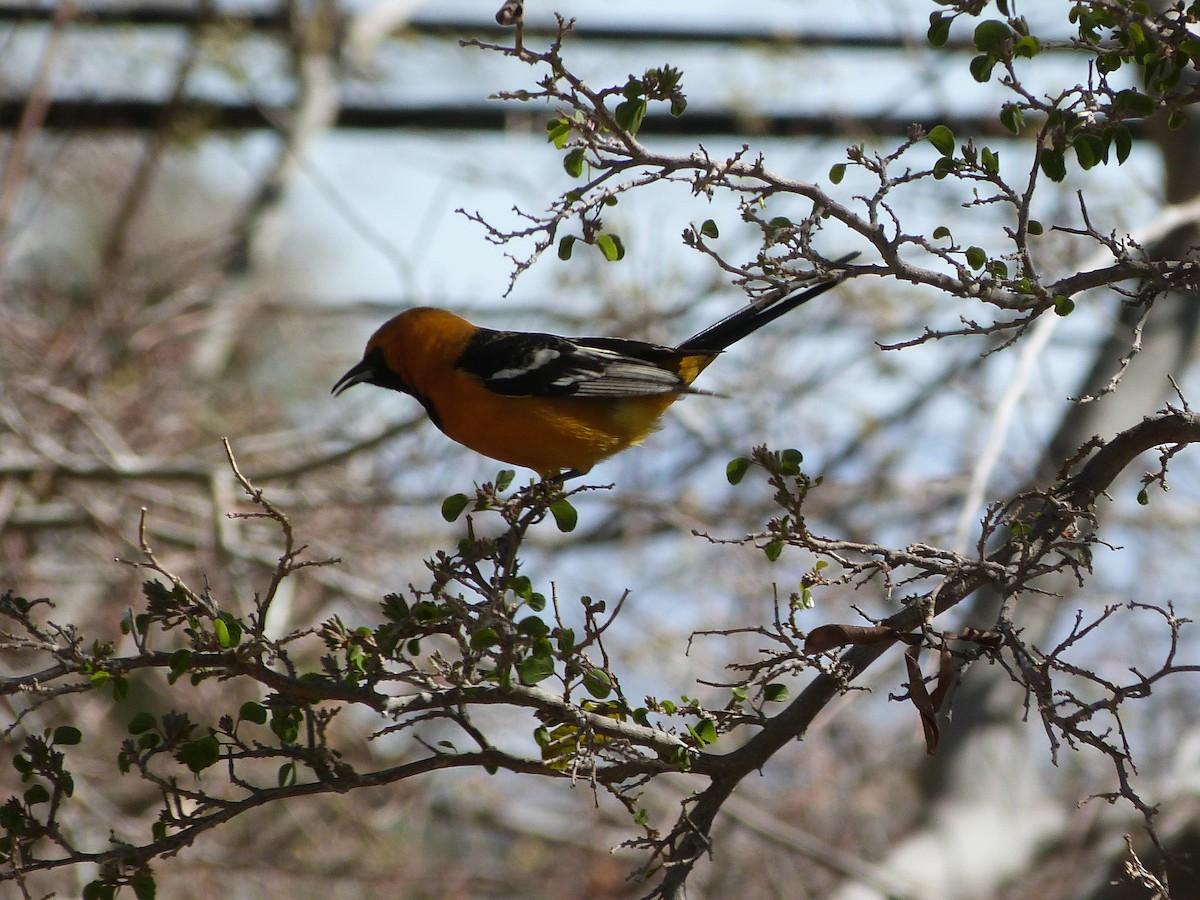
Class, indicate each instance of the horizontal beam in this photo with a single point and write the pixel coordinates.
(128, 114)
(678, 31)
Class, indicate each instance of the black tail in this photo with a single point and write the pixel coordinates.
(733, 328)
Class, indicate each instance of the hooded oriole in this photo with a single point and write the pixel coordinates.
(549, 403)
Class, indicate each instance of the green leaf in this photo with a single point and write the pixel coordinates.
(573, 161)
(1143, 497)
(1089, 150)
(941, 232)
(1012, 118)
(144, 887)
(504, 478)
(1027, 46)
(67, 735)
(780, 222)
(533, 669)
(1176, 120)
(775, 692)
(773, 549)
(597, 683)
(705, 731)
(251, 711)
(790, 461)
(991, 36)
(484, 638)
(837, 173)
(981, 67)
(453, 506)
(200, 754)
(939, 29)
(232, 630)
(736, 470)
(565, 515)
(533, 626)
(566, 640)
(610, 245)
(1053, 164)
(565, 245)
(36, 793)
(976, 258)
(286, 775)
(630, 114)
(990, 160)
(1063, 306)
(1123, 141)
(942, 139)
(558, 132)
(98, 679)
(536, 601)
(1034, 227)
(708, 228)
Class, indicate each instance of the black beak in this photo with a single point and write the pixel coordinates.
(365, 371)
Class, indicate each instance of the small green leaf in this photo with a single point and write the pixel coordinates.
(941, 232)
(1053, 164)
(942, 139)
(504, 478)
(790, 461)
(533, 626)
(67, 735)
(990, 160)
(779, 222)
(775, 692)
(642, 816)
(233, 630)
(565, 245)
(991, 36)
(200, 754)
(939, 29)
(981, 67)
(453, 506)
(630, 114)
(286, 775)
(610, 245)
(98, 679)
(566, 640)
(36, 793)
(484, 638)
(976, 258)
(251, 711)
(1176, 120)
(558, 132)
(1012, 118)
(1143, 497)
(144, 887)
(736, 470)
(705, 731)
(533, 669)
(597, 683)
(1034, 227)
(573, 161)
(1027, 47)
(1123, 141)
(565, 515)
(773, 549)
(837, 173)
(708, 228)
(1063, 306)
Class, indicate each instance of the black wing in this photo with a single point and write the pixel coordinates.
(530, 364)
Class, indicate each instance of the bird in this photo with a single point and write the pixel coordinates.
(556, 405)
